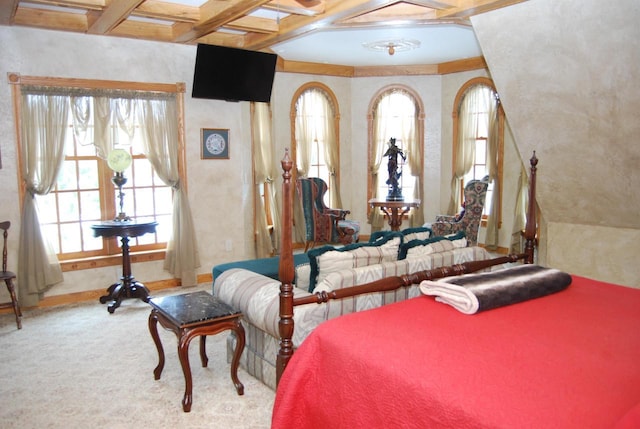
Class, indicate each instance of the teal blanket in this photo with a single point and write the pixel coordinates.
(265, 266)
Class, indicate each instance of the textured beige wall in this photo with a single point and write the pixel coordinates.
(612, 263)
(567, 74)
(219, 190)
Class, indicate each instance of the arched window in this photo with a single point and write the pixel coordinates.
(478, 145)
(315, 144)
(396, 113)
(315, 137)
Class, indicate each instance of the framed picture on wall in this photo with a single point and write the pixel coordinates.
(215, 143)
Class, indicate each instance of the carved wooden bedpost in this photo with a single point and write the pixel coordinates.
(531, 228)
(286, 271)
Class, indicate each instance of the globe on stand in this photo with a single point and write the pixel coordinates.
(119, 160)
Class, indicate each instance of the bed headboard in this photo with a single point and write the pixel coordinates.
(287, 271)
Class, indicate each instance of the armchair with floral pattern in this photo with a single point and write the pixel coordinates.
(475, 192)
(323, 224)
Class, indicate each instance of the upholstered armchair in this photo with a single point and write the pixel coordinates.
(475, 192)
(323, 224)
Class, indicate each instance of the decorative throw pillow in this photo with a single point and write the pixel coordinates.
(328, 259)
(382, 235)
(417, 233)
(303, 271)
(432, 245)
(459, 239)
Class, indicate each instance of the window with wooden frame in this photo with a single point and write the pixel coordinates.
(84, 193)
(315, 135)
(485, 100)
(396, 112)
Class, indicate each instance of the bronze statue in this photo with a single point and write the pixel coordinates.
(395, 192)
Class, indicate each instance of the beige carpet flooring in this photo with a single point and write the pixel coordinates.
(78, 366)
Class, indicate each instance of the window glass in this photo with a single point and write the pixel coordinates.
(477, 97)
(397, 111)
(78, 199)
(311, 108)
(480, 169)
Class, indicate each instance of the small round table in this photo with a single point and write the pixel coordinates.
(394, 210)
(127, 287)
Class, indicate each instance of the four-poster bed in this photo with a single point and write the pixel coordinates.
(287, 271)
(568, 359)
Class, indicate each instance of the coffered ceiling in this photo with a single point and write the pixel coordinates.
(316, 31)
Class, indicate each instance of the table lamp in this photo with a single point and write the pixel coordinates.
(119, 160)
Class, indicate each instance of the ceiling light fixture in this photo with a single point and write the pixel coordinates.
(392, 45)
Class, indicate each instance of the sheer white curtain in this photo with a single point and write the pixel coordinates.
(520, 213)
(44, 119)
(331, 150)
(465, 148)
(81, 108)
(45, 113)
(414, 154)
(157, 117)
(304, 138)
(105, 110)
(159, 125)
(315, 121)
(264, 175)
(493, 152)
(379, 137)
(305, 133)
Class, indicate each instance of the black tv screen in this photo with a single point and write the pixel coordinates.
(231, 74)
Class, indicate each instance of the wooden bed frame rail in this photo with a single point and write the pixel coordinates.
(286, 270)
(388, 284)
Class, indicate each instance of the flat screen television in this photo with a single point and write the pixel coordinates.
(232, 74)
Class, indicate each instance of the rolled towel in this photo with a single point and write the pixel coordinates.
(472, 293)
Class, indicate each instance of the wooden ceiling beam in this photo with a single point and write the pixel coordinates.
(434, 4)
(236, 10)
(52, 20)
(168, 11)
(112, 15)
(222, 39)
(294, 7)
(143, 30)
(188, 24)
(405, 12)
(293, 26)
(467, 8)
(76, 4)
(254, 24)
(8, 11)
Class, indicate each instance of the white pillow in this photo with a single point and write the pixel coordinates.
(432, 245)
(416, 234)
(427, 249)
(303, 271)
(329, 260)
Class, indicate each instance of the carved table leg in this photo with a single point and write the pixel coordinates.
(136, 289)
(114, 293)
(153, 329)
(185, 334)
(110, 293)
(203, 351)
(183, 354)
(240, 341)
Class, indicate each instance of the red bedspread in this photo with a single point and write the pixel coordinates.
(568, 360)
